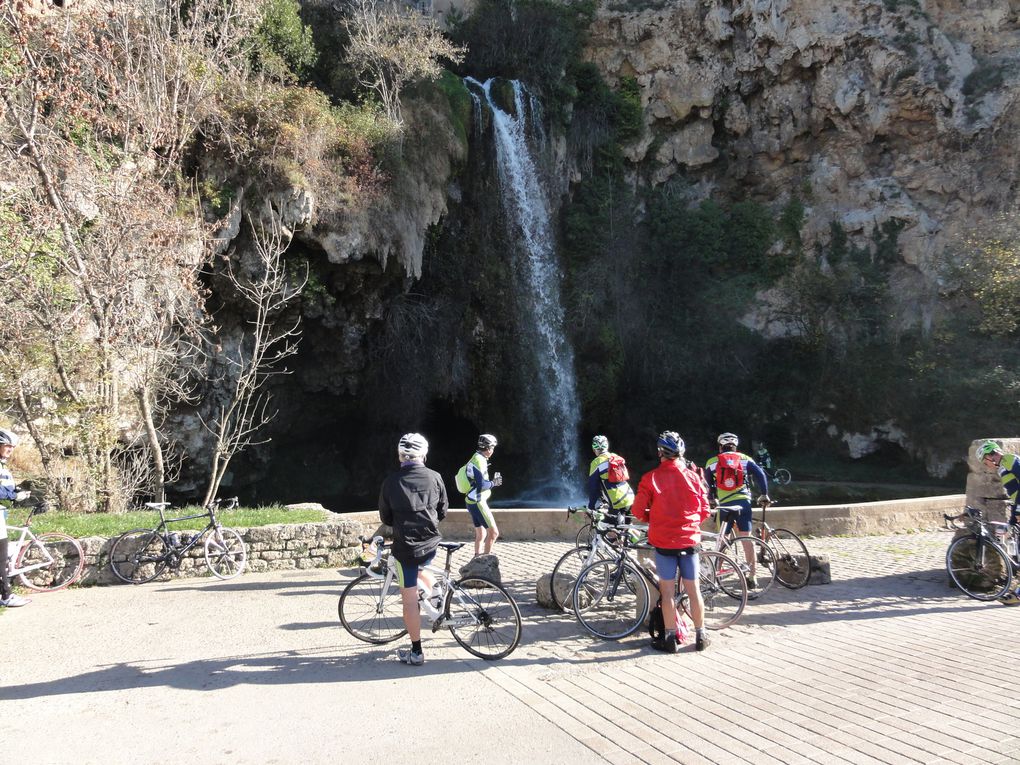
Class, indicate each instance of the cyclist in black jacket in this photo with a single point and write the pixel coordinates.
(413, 501)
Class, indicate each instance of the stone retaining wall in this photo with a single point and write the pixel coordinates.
(333, 543)
(861, 518)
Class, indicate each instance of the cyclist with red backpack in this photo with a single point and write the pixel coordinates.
(727, 475)
(608, 478)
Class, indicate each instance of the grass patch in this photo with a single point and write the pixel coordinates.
(81, 525)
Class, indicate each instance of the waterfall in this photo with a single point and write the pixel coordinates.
(557, 409)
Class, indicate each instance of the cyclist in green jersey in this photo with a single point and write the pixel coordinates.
(1007, 466)
(619, 494)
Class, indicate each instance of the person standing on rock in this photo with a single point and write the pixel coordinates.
(8, 491)
(1007, 466)
(672, 500)
(413, 501)
(473, 482)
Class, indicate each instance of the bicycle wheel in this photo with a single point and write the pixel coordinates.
(371, 610)
(584, 536)
(723, 590)
(483, 617)
(139, 556)
(225, 553)
(782, 476)
(793, 562)
(60, 559)
(978, 567)
(564, 574)
(610, 599)
(759, 570)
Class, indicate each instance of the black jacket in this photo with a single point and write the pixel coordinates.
(413, 501)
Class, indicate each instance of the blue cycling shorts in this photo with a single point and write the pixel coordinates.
(744, 519)
(668, 561)
(481, 515)
(408, 572)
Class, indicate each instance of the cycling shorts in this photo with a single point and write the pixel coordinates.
(667, 562)
(481, 515)
(743, 520)
(408, 572)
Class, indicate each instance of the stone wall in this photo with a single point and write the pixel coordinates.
(984, 490)
(860, 518)
(270, 548)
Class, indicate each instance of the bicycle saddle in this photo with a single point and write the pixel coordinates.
(451, 546)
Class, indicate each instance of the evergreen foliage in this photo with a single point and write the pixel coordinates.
(284, 49)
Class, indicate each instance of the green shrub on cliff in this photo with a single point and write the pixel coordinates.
(283, 46)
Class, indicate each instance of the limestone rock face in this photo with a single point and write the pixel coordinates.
(868, 111)
(872, 114)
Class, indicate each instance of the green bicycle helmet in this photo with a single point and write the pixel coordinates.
(988, 447)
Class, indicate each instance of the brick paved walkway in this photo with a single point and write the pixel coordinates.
(877, 667)
(885, 665)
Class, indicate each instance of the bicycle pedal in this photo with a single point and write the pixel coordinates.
(437, 624)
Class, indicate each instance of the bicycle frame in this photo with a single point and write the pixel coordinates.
(14, 548)
(162, 528)
(443, 578)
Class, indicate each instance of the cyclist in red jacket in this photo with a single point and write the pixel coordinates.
(672, 499)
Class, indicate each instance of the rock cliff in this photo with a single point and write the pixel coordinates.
(869, 112)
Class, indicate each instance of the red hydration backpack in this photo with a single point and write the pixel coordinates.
(617, 472)
(729, 472)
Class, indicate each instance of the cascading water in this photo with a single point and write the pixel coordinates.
(557, 409)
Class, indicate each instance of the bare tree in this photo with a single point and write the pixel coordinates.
(392, 45)
(260, 278)
(96, 107)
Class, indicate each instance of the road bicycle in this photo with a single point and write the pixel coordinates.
(983, 562)
(611, 597)
(44, 562)
(585, 535)
(793, 562)
(779, 476)
(482, 616)
(756, 558)
(602, 534)
(141, 555)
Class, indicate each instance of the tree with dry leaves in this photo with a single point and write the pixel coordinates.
(96, 107)
(392, 45)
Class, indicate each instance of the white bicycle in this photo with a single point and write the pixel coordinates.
(45, 562)
(482, 615)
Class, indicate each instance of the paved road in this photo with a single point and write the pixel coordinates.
(885, 665)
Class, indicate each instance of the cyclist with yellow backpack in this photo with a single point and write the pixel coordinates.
(727, 475)
(608, 478)
(473, 482)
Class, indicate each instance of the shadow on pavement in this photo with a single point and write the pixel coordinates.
(253, 669)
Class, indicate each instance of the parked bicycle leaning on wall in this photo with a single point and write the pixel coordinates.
(8, 491)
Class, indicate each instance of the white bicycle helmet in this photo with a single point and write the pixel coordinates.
(727, 439)
(486, 441)
(7, 438)
(412, 446)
